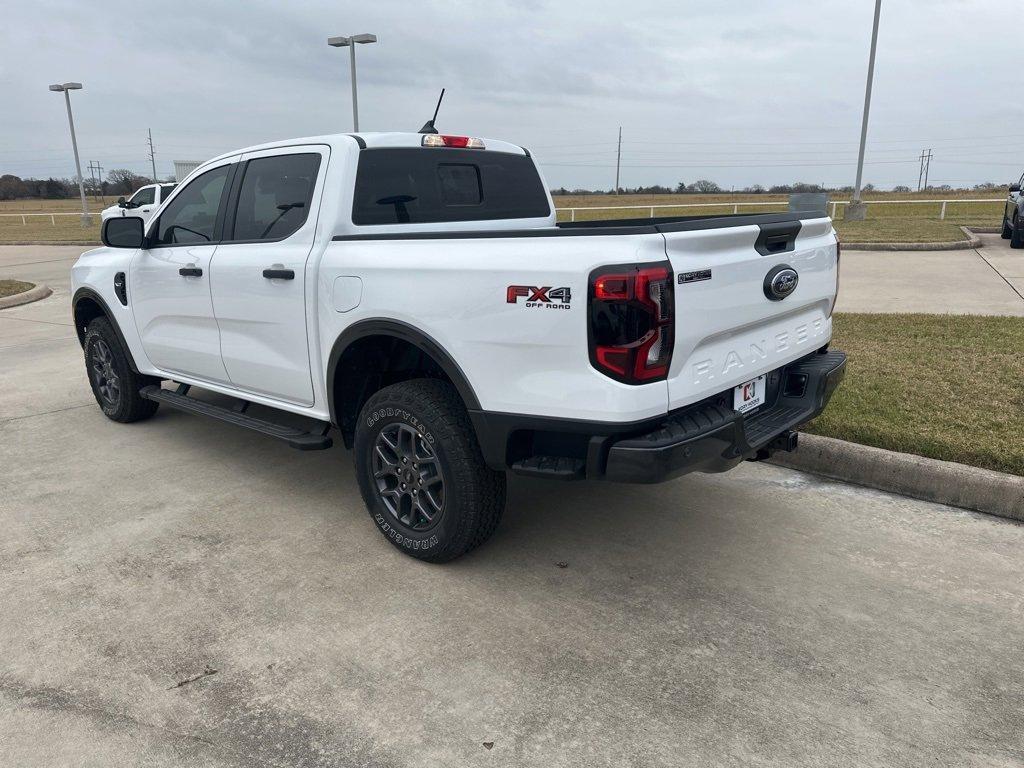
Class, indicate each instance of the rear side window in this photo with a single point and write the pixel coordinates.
(411, 185)
(274, 199)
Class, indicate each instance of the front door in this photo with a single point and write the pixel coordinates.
(169, 280)
(258, 277)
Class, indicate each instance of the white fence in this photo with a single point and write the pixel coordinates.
(650, 208)
(778, 203)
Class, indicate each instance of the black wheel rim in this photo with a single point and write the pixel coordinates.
(408, 476)
(101, 367)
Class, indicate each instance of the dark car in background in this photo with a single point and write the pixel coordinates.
(1013, 215)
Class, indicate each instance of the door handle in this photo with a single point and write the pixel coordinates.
(279, 274)
(191, 271)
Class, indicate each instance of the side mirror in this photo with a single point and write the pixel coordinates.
(123, 232)
(120, 201)
(1015, 187)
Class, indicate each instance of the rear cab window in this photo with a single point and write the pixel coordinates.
(417, 185)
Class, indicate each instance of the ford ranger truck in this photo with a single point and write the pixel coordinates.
(414, 295)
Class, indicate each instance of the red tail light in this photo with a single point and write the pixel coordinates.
(632, 322)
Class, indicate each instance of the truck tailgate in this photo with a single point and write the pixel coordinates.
(728, 330)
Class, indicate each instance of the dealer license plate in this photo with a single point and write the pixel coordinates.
(749, 395)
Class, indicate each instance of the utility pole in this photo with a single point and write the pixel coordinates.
(856, 211)
(92, 175)
(618, 161)
(920, 170)
(927, 167)
(99, 183)
(152, 154)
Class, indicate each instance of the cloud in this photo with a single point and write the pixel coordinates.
(741, 93)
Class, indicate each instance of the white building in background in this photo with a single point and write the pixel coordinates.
(183, 168)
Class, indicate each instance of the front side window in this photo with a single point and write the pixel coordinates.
(275, 196)
(409, 185)
(145, 196)
(190, 217)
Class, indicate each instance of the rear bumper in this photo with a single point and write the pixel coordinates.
(705, 437)
(710, 437)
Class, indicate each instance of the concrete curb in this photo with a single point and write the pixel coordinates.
(985, 230)
(944, 482)
(34, 293)
(972, 241)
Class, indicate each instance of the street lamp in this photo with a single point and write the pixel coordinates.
(350, 42)
(856, 210)
(67, 88)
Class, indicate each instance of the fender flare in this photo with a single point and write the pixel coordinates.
(89, 293)
(405, 332)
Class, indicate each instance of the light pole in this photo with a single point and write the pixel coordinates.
(856, 210)
(67, 88)
(350, 43)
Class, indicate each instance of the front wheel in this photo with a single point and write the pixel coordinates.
(1005, 234)
(114, 384)
(421, 472)
(1017, 233)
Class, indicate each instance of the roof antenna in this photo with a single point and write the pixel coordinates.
(428, 127)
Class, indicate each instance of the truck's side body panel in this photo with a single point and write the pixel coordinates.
(519, 357)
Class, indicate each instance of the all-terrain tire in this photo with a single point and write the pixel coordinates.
(429, 415)
(1017, 233)
(1005, 234)
(114, 384)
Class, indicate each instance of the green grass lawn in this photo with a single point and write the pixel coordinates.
(898, 230)
(943, 386)
(11, 287)
(39, 229)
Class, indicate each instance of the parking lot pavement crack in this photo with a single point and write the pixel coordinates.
(60, 700)
(33, 320)
(1001, 276)
(44, 413)
(205, 673)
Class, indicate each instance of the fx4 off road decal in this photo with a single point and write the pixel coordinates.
(552, 298)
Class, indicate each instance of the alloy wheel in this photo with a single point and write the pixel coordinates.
(408, 476)
(101, 365)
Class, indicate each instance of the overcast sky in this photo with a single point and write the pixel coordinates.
(740, 93)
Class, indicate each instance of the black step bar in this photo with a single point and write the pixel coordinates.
(316, 440)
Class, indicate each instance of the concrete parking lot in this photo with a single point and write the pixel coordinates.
(179, 592)
(976, 281)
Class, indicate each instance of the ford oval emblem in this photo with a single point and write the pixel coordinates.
(780, 282)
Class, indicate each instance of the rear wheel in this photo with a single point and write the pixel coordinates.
(1017, 233)
(421, 472)
(114, 384)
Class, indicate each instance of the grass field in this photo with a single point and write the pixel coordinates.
(885, 223)
(11, 287)
(942, 386)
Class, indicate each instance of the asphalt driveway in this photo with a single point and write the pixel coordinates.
(177, 592)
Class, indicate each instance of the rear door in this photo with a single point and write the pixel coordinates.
(259, 273)
(731, 327)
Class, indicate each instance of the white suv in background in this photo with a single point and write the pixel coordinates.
(142, 204)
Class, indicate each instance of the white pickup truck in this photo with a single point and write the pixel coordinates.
(414, 294)
(142, 204)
